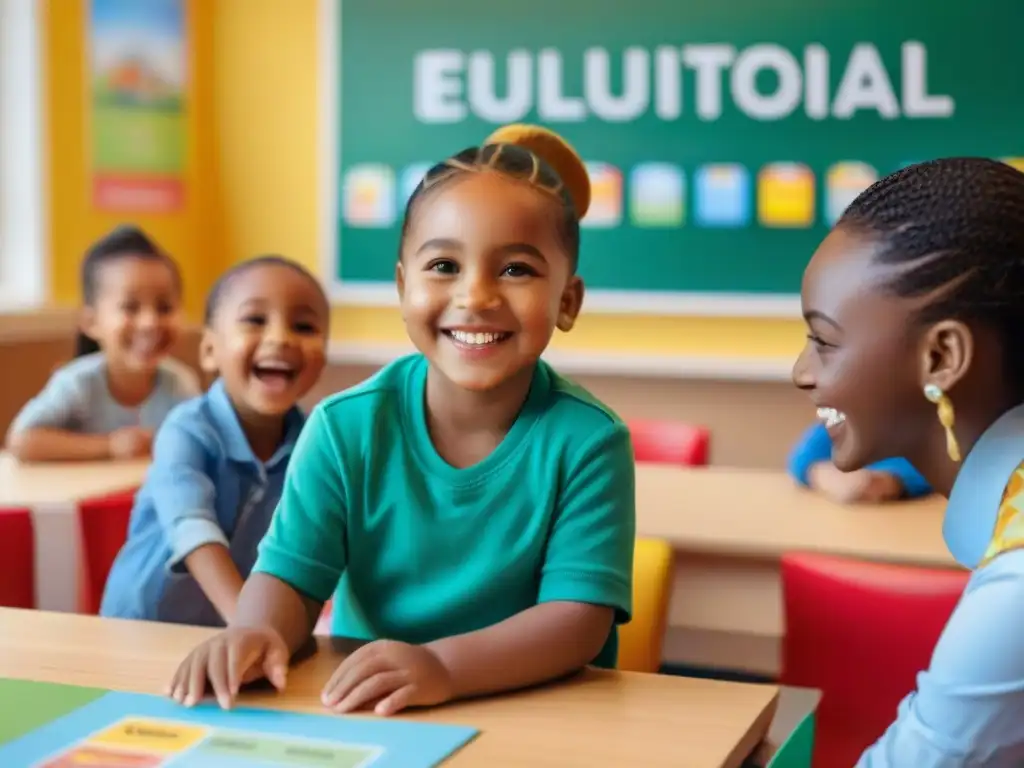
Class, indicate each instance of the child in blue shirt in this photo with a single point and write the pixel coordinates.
(219, 460)
(476, 508)
(810, 464)
(913, 303)
(109, 400)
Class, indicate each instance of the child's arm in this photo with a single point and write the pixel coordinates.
(185, 497)
(44, 429)
(814, 447)
(810, 464)
(212, 567)
(41, 444)
(910, 480)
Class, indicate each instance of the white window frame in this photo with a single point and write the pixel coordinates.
(24, 270)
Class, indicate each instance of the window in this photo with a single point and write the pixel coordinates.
(23, 270)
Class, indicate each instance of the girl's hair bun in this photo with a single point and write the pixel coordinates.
(556, 152)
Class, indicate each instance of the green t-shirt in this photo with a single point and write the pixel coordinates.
(416, 550)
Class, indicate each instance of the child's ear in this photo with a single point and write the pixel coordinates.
(400, 278)
(207, 353)
(571, 302)
(87, 321)
(400, 282)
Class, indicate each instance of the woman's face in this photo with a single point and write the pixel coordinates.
(865, 361)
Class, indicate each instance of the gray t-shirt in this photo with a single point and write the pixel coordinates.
(77, 399)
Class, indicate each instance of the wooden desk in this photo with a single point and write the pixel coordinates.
(55, 483)
(596, 718)
(52, 491)
(730, 527)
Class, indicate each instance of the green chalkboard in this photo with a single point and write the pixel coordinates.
(723, 141)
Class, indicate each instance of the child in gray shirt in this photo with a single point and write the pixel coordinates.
(108, 401)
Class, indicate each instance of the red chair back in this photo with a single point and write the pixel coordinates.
(104, 525)
(17, 559)
(670, 442)
(860, 632)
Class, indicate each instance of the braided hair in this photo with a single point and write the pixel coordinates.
(526, 153)
(954, 228)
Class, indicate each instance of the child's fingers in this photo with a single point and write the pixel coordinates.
(217, 673)
(396, 702)
(195, 683)
(275, 664)
(374, 688)
(242, 660)
(350, 673)
(175, 688)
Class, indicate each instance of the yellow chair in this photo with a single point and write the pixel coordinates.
(641, 640)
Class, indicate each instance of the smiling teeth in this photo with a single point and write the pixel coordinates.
(465, 337)
(274, 365)
(831, 417)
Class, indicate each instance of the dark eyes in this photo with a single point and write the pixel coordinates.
(131, 307)
(449, 267)
(258, 321)
(443, 267)
(819, 342)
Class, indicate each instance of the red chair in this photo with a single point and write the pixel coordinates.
(860, 632)
(17, 559)
(104, 526)
(670, 442)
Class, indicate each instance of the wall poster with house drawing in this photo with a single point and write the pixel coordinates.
(137, 120)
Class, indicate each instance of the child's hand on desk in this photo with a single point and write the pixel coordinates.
(389, 675)
(236, 656)
(863, 485)
(130, 442)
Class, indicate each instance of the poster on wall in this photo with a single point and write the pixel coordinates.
(137, 120)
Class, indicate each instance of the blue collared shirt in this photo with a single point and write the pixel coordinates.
(204, 486)
(968, 709)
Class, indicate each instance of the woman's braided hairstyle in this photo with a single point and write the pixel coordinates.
(955, 229)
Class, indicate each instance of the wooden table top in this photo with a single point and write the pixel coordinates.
(763, 513)
(595, 718)
(25, 485)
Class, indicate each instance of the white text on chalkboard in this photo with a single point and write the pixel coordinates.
(450, 85)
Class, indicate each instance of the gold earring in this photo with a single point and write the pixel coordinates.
(946, 418)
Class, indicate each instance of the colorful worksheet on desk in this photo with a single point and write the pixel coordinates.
(58, 726)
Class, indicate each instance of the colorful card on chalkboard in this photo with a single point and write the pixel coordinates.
(122, 730)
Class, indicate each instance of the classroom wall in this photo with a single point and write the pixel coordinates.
(264, 86)
(193, 236)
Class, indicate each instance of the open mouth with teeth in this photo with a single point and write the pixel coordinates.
(274, 374)
(830, 417)
(149, 347)
(473, 339)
